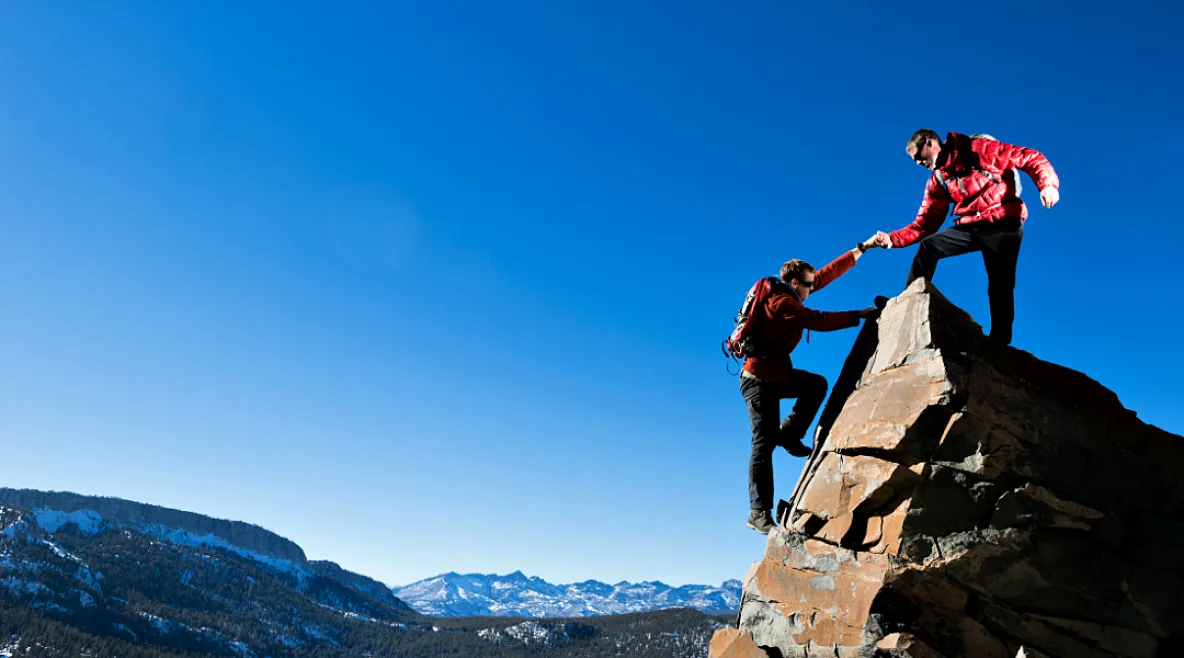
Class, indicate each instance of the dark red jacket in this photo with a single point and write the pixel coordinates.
(785, 317)
(982, 182)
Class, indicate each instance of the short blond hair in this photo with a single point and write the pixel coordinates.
(794, 269)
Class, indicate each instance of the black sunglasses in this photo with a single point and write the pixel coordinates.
(806, 284)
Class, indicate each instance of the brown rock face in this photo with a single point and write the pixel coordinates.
(731, 643)
(969, 500)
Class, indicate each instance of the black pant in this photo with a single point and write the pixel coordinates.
(999, 243)
(764, 412)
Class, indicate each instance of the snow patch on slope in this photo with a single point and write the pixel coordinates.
(91, 522)
(88, 521)
(186, 538)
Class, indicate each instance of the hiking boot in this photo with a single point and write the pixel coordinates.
(1000, 338)
(797, 448)
(793, 446)
(761, 521)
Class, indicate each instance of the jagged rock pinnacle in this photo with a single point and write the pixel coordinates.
(967, 499)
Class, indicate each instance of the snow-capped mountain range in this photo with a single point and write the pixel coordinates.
(104, 576)
(516, 595)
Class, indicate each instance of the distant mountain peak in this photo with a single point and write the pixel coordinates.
(518, 595)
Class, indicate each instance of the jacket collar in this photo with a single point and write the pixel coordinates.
(791, 291)
(953, 149)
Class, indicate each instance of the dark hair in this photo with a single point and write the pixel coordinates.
(920, 137)
(794, 269)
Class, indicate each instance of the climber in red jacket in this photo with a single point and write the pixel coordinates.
(978, 176)
(769, 377)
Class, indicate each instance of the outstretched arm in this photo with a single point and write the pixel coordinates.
(796, 315)
(834, 269)
(934, 206)
(840, 265)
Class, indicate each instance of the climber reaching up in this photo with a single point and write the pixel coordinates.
(769, 327)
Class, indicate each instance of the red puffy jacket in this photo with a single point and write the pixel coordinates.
(786, 317)
(979, 178)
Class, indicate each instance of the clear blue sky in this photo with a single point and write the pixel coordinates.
(440, 286)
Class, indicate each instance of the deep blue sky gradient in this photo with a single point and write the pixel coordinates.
(440, 286)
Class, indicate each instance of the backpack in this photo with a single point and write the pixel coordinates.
(996, 178)
(742, 342)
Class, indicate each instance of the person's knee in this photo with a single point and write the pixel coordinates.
(822, 384)
(926, 248)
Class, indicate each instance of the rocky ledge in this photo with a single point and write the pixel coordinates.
(967, 499)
